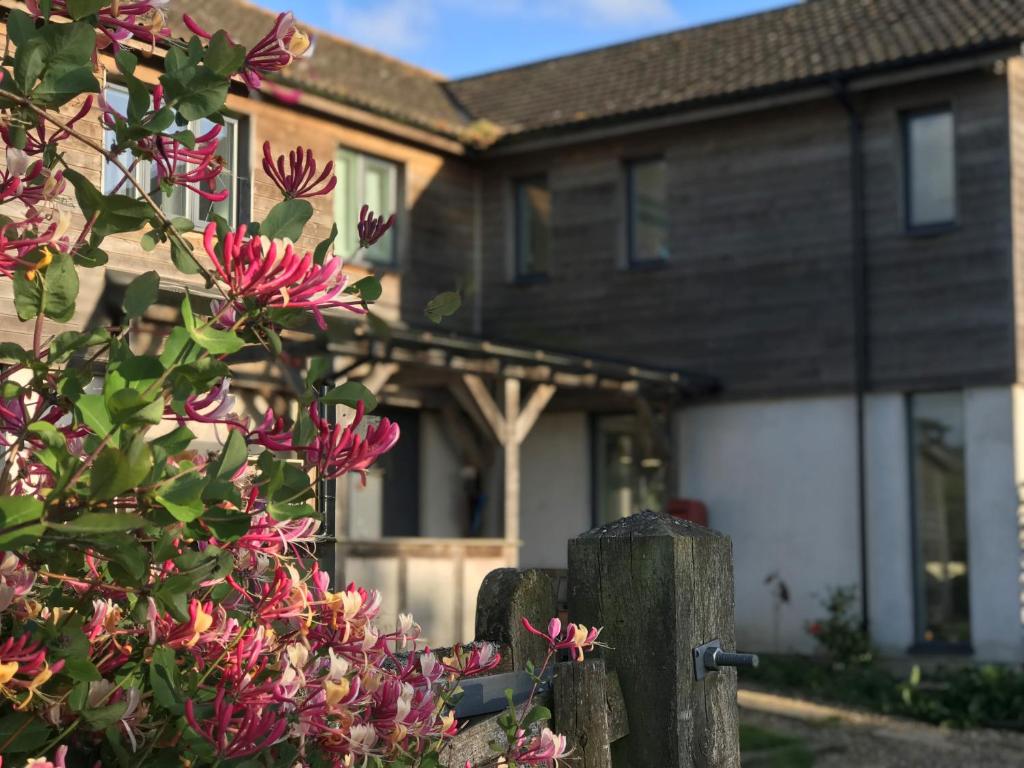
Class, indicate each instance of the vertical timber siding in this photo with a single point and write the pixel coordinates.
(758, 290)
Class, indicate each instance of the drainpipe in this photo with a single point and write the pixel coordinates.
(859, 283)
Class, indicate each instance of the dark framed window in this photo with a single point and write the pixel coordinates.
(366, 180)
(533, 227)
(929, 152)
(232, 147)
(630, 465)
(939, 494)
(647, 211)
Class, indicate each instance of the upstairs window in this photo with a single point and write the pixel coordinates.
(647, 211)
(365, 180)
(533, 227)
(181, 202)
(930, 154)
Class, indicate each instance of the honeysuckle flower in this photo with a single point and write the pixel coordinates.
(120, 21)
(300, 178)
(24, 667)
(272, 274)
(372, 228)
(475, 660)
(576, 637)
(235, 730)
(337, 450)
(41, 762)
(284, 43)
(16, 580)
(38, 136)
(544, 749)
(20, 240)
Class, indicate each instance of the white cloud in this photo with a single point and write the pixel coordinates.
(637, 12)
(397, 26)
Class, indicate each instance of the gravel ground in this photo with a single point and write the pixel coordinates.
(844, 738)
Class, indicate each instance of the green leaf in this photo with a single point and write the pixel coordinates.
(28, 295)
(92, 411)
(61, 288)
(70, 342)
(81, 670)
(128, 406)
(214, 341)
(197, 92)
(163, 679)
(351, 393)
(20, 521)
(324, 246)
(11, 352)
(101, 522)
(443, 305)
(20, 26)
(223, 57)
(21, 732)
(281, 511)
(183, 497)
(536, 715)
(99, 718)
(176, 441)
(116, 471)
(369, 288)
(231, 458)
(183, 259)
(79, 9)
(287, 219)
(116, 213)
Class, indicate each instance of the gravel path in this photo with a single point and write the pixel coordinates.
(845, 738)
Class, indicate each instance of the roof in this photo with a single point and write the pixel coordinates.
(800, 44)
(339, 69)
(812, 42)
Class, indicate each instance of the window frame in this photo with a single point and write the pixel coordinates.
(906, 118)
(631, 260)
(239, 211)
(521, 275)
(347, 242)
(919, 645)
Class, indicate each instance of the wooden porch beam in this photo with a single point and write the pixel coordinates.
(489, 409)
(381, 374)
(539, 399)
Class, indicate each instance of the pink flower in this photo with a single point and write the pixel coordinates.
(37, 138)
(372, 229)
(121, 21)
(19, 240)
(576, 636)
(300, 179)
(338, 450)
(272, 274)
(42, 762)
(545, 749)
(480, 658)
(24, 667)
(236, 730)
(196, 169)
(284, 43)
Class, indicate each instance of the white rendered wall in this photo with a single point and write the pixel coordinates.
(441, 495)
(779, 477)
(993, 427)
(890, 530)
(555, 496)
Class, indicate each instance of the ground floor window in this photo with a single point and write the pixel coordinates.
(940, 517)
(630, 466)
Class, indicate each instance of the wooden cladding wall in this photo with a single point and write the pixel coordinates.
(758, 290)
(435, 225)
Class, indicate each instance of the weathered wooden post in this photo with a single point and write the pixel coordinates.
(506, 597)
(581, 711)
(661, 588)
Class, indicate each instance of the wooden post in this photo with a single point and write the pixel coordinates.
(511, 451)
(660, 588)
(581, 712)
(506, 597)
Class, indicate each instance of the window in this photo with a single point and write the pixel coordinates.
(365, 180)
(631, 466)
(647, 211)
(930, 157)
(181, 202)
(533, 227)
(940, 518)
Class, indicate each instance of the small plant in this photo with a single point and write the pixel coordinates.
(841, 634)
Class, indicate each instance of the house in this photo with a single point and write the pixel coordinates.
(772, 264)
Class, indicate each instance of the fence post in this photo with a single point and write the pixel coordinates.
(660, 588)
(581, 711)
(507, 596)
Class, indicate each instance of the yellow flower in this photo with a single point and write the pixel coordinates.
(299, 43)
(202, 622)
(8, 671)
(336, 691)
(42, 264)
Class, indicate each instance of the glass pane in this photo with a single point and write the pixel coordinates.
(533, 222)
(630, 475)
(931, 158)
(940, 517)
(379, 182)
(226, 150)
(648, 211)
(174, 204)
(346, 212)
(113, 179)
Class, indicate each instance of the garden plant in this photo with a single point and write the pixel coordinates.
(160, 603)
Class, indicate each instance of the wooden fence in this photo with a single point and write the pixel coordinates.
(662, 590)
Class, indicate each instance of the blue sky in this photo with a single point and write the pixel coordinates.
(462, 37)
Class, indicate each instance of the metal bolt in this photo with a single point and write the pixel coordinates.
(710, 658)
